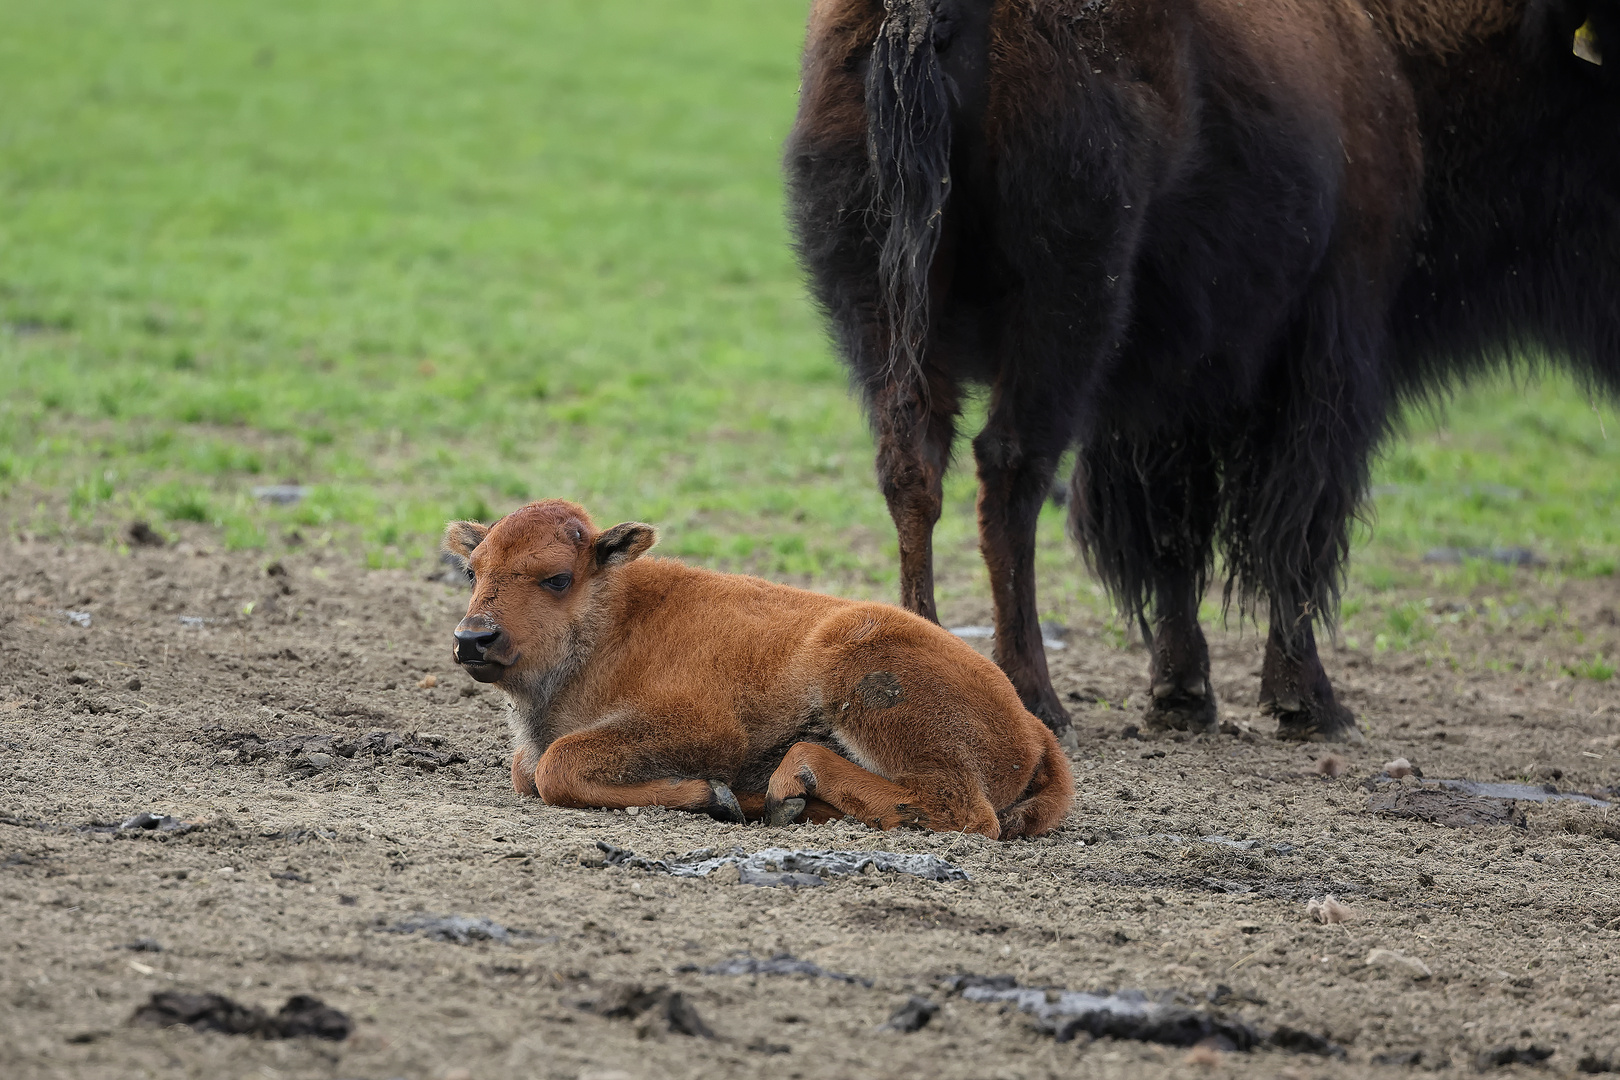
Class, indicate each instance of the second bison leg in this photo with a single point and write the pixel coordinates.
(1295, 689)
(915, 426)
(1017, 454)
(1145, 510)
(1182, 699)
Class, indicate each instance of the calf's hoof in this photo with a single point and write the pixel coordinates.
(723, 805)
(1316, 721)
(785, 812)
(1176, 708)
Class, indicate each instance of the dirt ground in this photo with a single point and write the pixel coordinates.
(181, 700)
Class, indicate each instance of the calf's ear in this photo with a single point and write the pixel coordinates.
(460, 537)
(622, 543)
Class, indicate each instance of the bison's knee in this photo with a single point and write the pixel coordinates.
(523, 774)
(551, 782)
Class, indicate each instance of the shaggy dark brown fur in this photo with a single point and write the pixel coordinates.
(1211, 244)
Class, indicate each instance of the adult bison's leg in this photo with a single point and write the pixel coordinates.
(1181, 696)
(1017, 454)
(1144, 512)
(1292, 485)
(1295, 689)
(915, 425)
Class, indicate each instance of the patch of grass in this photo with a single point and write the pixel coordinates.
(435, 260)
(1597, 669)
(1529, 462)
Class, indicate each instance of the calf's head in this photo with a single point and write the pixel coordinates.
(537, 579)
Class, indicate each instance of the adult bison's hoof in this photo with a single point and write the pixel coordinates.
(1317, 721)
(785, 812)
(723, 805)
(1046, 709)
(1175, 708)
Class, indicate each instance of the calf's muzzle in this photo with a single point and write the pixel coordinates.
(473, 646)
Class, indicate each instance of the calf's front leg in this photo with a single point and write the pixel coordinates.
(612, 768)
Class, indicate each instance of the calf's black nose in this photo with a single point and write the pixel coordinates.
(471, 645)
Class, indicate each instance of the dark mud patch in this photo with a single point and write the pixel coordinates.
(161, 826)
(658, 1009)
(774, 866)
(912, 1016)
(1441, 807)
(456, 929)
(1132, 1014)
(301, 1016)
(910, 918)
(1502, 1056)
(780, 964)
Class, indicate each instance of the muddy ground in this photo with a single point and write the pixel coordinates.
(181, 700)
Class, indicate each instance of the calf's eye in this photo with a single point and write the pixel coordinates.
(558, 582)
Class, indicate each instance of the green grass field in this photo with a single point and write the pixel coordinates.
(435, 259)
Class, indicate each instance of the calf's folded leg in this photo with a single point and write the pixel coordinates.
(938, 803)
(615, 768)
(523, 773)
(815, 812)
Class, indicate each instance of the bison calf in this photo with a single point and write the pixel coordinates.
(644, 682)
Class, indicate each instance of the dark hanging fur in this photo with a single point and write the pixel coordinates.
(909, 145)
(1210, 246)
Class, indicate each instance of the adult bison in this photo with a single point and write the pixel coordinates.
(1211, 244)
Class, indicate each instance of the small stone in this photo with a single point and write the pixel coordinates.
(912, 1016)
(1389, 958)
(1327, 909)
(428, 682)
(132, 683)
(593, 857)
(319, 760)
(728, 874)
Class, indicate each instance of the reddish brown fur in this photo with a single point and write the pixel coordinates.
(644, 682)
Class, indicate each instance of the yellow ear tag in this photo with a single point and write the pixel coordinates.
(1586, 44)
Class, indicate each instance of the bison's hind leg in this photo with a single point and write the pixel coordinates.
(1295, 690)
(1144, 512)
(1182, 697)
(949, 803)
